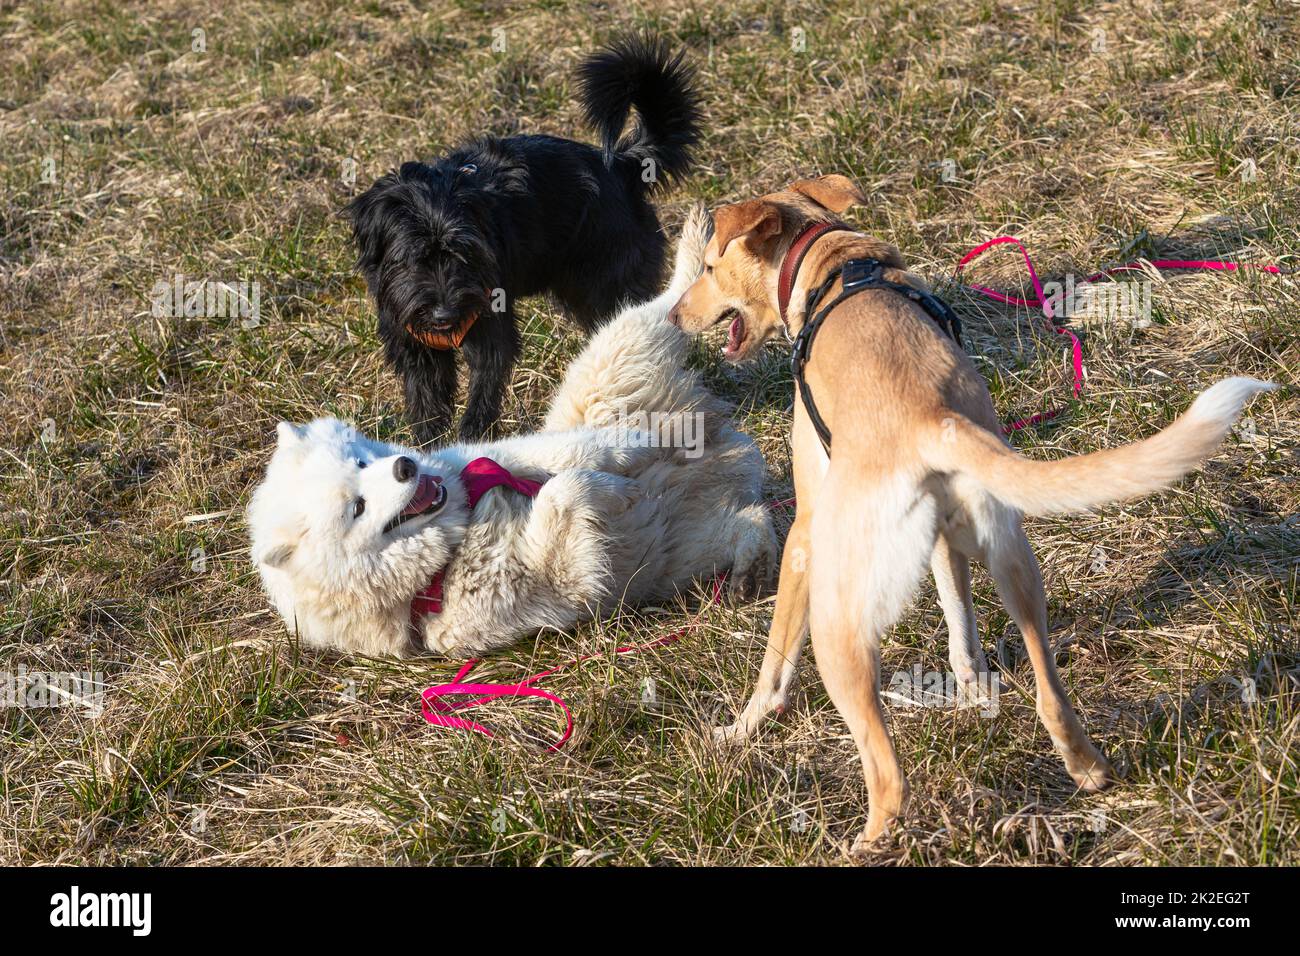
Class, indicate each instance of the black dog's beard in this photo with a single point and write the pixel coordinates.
(421, 306)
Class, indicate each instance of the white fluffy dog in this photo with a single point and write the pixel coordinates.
(636, 486)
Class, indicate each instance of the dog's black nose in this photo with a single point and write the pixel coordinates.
(404, 469)
(443, 318)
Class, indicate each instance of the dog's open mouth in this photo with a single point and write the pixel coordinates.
(429, 497)
(736, 334)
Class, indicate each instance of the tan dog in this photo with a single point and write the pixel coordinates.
(919, 475)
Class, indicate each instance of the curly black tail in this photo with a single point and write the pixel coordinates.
(643, 72)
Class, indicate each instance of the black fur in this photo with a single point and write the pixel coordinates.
(500, 219)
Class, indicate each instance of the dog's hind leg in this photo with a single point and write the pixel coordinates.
(952, 580)
(491, 348)
(1020, 586)
(872, 539)
(752, 552)
(785, 638)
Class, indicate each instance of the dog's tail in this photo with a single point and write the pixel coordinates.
(642, 72)
(697, 230)
(637, 361)
(1084, 482)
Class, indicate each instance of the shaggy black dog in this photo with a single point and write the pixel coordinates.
(448, 246)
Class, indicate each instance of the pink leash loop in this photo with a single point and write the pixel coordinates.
(1076, 347)
(439, 713)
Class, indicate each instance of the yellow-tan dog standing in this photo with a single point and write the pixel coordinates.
(919, 475)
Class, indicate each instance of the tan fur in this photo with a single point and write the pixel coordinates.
(920, 478)
(834, 192)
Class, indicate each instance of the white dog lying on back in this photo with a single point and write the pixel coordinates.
(636, 486)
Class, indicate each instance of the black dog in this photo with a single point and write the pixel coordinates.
(447, 247)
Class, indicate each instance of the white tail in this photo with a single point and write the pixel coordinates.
(637, 360)
(1084, 482)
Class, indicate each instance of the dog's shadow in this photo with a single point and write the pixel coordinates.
(1256, 557)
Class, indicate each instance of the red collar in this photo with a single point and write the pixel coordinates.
(794, 258)
(479, 477)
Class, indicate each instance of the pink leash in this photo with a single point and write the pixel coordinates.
(1076, 347)
(440, 713)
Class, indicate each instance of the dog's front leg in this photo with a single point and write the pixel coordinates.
(564, 538)
(491, 348)
(785, 640)
(429, 381)
(585, 449)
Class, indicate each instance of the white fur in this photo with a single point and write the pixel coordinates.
(615, 520)
(1222, 402)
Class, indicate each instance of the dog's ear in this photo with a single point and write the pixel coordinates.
(287, 434)
(276, 553)
(371, 221)
(756, 217)
(836, 193)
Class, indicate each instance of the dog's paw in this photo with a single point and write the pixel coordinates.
(441, 643)
(746, 584)
(863, 847)
(432, 430)
(612, 494)
(753, 553)
(880, 833)
(1093, 776)
(476, 426)
(732, 735)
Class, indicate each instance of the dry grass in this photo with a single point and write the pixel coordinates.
(117, 427)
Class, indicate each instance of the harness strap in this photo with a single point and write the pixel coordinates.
(855, 275)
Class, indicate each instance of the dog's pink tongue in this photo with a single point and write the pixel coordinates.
(425, 494)
(735, 334)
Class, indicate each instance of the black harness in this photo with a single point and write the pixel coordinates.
(857, 275)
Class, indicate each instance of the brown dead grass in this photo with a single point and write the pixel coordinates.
(223, 742)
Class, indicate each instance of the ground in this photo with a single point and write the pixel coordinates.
(136, 149)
